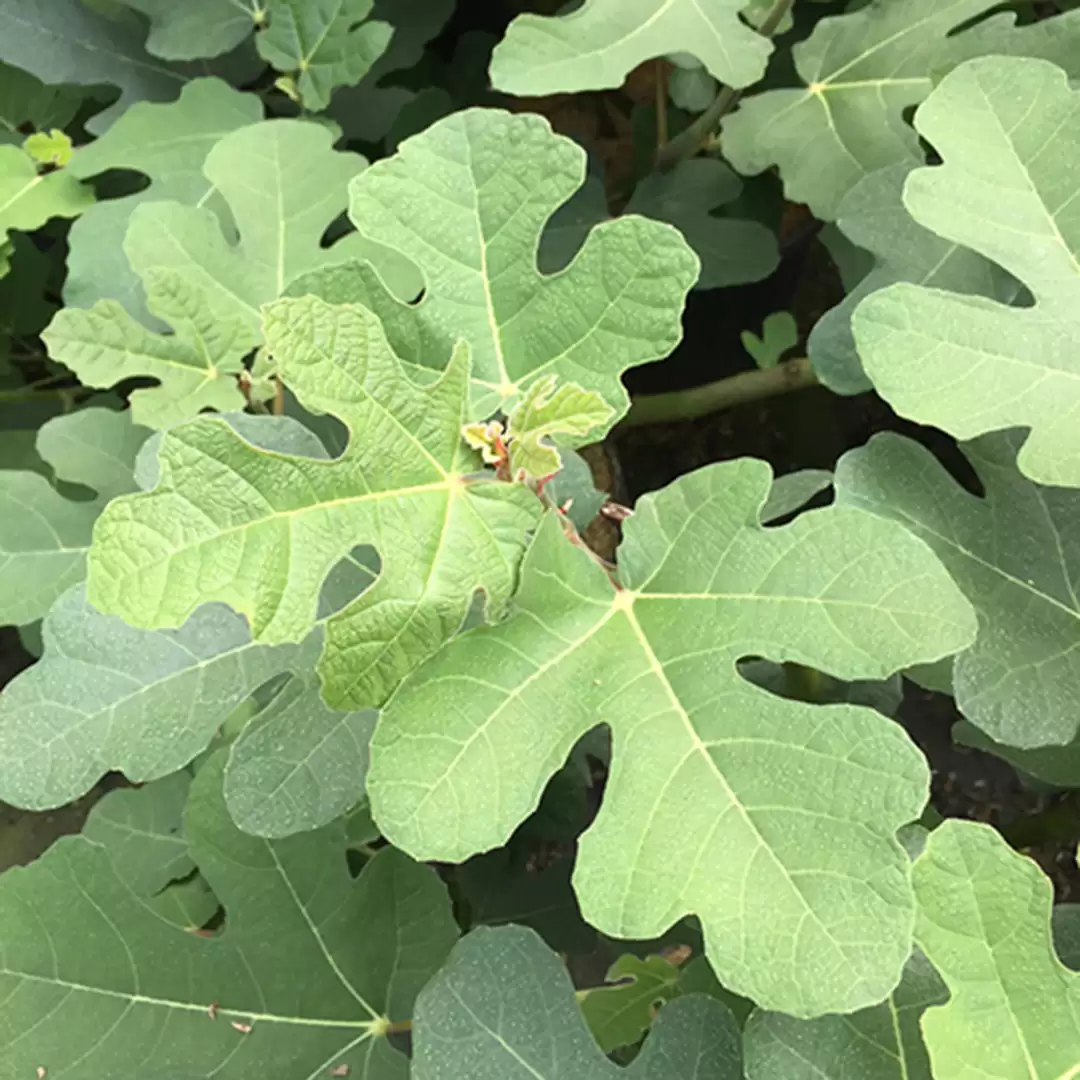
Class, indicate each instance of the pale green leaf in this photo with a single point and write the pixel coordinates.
(141, 830)
(984, 922)
(872, 215)
(196, 366)
(1008, 131)
(779, 332)
(298, 765)
(466, 201)
(618, 1015)
(503, 1009)
(860, 71)
(45, 535)
(168, 145)
(29, 198)
(596, 46)
(732, 251)
(324, 45)
(544, 413)
(197, 28)
(368, 110)
(106, 696)
(49, 147)
(1014, 553)
(63, 41)
(261, 531)
(716, 804)
(311, 960)
(880, 1043)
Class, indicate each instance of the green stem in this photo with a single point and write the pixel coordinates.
(726, 393)
(687, 143)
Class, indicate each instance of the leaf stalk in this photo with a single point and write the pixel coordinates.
(689, 141)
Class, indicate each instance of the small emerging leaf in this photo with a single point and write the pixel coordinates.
(778, 334)
(545, 412)
(49, 147)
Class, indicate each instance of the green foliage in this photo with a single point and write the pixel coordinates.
(861, 70)
(596, 45)
(334, 581)
(1009, 134)
(692, 791)
(984, 922)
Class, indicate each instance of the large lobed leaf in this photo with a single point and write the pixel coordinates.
(1014, 554)
(168, 144)
(984, 922)
(466, 201)
(771, 820)
(883, 1042)
(44, 532)
(861, 70)
(284, 186)
(309, 970)
(873, 216)
(596, 46)
(1008, 131)
(503, 1009)
(261, 531)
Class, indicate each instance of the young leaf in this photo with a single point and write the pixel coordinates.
(168, 145)
(880, 1043)
(29, 198)
(45, 535)
(543, 413)
(1009, 133)
(503, 1009)
(308, 970)
(862, 69)
(984, 922)
(779, 333)
(323, 45)
(368, 110)
(599, 44)
(466, 201)
(298, 765)
(619, 1013)
(1014, 556)
(261, 531)
(732, 251)
(106, 696)
(49, 147)
(873, 216)
(63, 41)
(715, 805)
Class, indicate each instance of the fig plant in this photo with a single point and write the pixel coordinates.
(415, 742)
